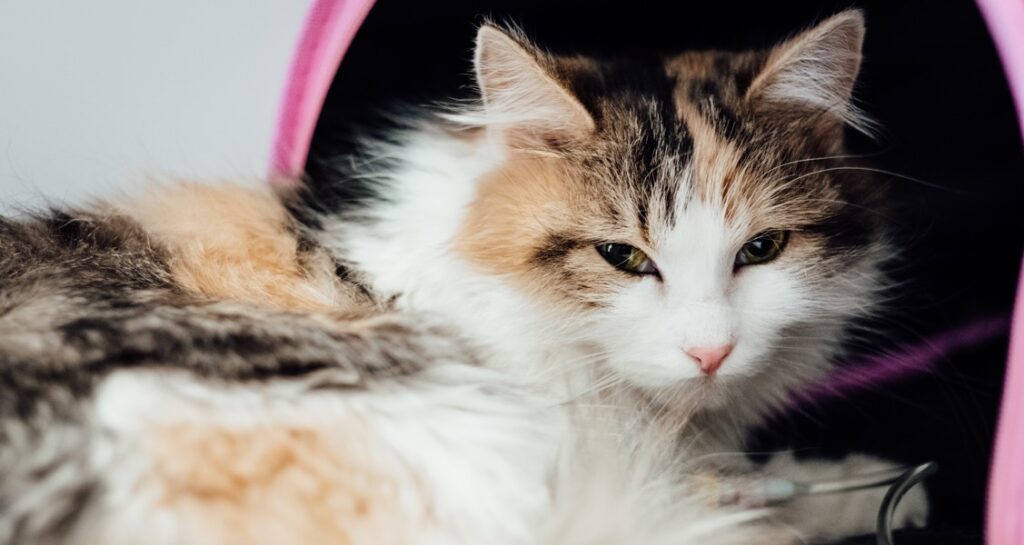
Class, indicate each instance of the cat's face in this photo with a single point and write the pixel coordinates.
(686, 219)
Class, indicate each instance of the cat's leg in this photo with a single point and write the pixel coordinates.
(833, 516)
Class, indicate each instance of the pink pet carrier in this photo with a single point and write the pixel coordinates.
(131, 80)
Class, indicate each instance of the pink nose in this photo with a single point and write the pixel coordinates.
(710, 359)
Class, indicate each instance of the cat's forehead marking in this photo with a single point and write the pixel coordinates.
(714, 84)
(677, 128)
(676, 131)
(732, 165)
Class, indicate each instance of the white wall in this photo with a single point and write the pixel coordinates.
(97, 95)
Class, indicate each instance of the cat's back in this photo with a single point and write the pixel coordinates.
(185, 356)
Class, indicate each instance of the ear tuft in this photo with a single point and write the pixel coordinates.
(816, 69)
(520, 92)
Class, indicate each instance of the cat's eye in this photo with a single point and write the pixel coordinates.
(762, 248)
(627, 258)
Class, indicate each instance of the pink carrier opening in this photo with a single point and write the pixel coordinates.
(327, 32)
(329, 29)
(1005, 520)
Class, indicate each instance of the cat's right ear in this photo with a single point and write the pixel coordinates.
(522, 97)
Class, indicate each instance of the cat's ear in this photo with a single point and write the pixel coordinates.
(521, 96)
(816, 70)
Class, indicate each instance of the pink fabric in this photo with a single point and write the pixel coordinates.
(1005, 511)
(327, 32)
(909, 361)
(1005, 20)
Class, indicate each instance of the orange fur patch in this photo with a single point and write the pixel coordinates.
(280, 484)
(233, 243)
(517, 211)
(515, 208)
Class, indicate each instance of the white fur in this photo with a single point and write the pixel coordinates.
(406, 248)
(478, 447)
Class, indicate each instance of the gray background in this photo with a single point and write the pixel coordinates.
(101, 95)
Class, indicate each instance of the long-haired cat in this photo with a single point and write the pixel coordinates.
(532, 324)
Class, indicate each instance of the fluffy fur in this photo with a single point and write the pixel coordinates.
(435, 352)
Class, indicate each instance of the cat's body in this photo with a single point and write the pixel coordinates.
(609, 269)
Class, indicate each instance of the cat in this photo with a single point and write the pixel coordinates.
(610, 268)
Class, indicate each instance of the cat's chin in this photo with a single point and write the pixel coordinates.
(690, 393)
(715, 391)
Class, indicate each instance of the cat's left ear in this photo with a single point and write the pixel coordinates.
(522, 95)
(815, 70)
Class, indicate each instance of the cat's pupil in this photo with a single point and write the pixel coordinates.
(759, 247)
(621, 253)
(627, 258)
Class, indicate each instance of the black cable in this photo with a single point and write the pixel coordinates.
(895, 494)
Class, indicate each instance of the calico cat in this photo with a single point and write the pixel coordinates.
(531, 321)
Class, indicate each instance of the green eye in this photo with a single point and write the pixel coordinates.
(762, 248)
(627, 258)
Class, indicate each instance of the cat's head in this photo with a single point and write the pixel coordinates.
(689, 216)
